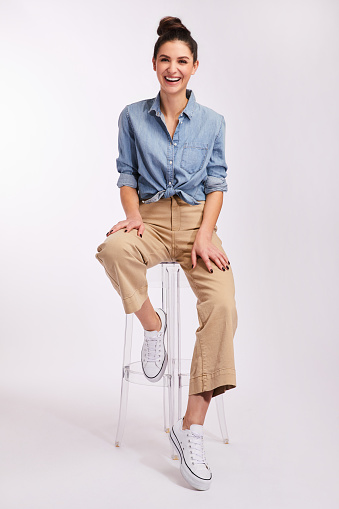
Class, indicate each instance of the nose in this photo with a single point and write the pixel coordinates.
(172, 68)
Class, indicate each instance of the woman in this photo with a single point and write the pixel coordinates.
(172, 178)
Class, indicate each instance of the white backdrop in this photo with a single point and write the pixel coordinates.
(67, 70)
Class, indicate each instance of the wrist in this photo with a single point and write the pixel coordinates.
(204, 231)
(133, 215)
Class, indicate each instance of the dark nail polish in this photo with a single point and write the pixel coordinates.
(192, 266)
(211, 271)
(228, 268)
(229, 263)
(125, 231)
(141, 235)
(223, 269)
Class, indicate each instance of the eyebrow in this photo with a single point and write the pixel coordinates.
(169, 57)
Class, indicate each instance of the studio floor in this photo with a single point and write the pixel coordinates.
(58, 451)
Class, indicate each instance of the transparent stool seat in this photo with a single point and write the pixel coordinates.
(177, 374)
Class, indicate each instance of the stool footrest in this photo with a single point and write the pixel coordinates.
(133, 373)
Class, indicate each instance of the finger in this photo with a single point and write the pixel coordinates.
(216, 257)
(114, 229)
(129, 228)
(222, 264)
(207, 263)
(110, 231)
(193, 258)
(223, 259)
(226, 261)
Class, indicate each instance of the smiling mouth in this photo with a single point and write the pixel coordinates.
(172, 80)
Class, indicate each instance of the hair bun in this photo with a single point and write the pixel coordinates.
(170, 23)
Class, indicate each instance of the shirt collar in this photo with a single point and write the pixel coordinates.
(188, 109)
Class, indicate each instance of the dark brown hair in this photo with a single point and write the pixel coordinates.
(171, 29)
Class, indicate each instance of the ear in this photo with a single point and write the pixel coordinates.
(195, 67)
(154, 66)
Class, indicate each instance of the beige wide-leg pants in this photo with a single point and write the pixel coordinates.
(171, 225)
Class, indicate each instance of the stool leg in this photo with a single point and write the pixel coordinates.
(178, 346)
(169, 308)
(124, 380)
(221, 415)
(173, 300)
(165, 407)
(166, 389)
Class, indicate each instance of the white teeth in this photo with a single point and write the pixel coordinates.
(171, 79)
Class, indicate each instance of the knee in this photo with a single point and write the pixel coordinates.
(112, 249)
(118, 250)
(225, 307)
(231, 312)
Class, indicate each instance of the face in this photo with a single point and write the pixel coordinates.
(174, 60)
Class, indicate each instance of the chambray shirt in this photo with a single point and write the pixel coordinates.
(190, 165)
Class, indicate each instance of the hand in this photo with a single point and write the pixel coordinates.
(129, 223)
(204, 248)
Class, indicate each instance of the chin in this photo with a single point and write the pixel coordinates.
(174, 89)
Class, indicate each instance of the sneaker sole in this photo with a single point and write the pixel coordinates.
(161, 372)
(192, 479)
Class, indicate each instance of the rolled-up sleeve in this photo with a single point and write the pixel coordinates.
(127, 164)
(217, 167)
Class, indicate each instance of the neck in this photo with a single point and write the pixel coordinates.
(172, 105)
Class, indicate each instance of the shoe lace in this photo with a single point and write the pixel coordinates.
(152, 352)
(197, 448)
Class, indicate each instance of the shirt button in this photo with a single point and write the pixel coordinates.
(170, 183)
(174, 143)
(170, 162)
(180, 121)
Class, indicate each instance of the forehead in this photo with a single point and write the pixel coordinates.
(174, 49)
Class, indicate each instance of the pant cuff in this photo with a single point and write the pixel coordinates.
(221, 381)
(134, 302)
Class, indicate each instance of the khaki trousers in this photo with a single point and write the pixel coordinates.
(171, 225)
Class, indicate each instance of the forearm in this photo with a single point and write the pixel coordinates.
(130, 201)
(211, 213)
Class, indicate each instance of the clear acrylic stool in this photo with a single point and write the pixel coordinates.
(177, 372)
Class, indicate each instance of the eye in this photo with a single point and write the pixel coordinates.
(164, 58)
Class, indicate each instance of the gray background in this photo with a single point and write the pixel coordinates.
(67, 70)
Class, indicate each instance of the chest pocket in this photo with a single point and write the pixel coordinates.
(193, 156)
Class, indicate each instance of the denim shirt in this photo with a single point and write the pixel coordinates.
(190, 165)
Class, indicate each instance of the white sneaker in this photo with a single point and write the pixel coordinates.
(153, 353)
(190, 446)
